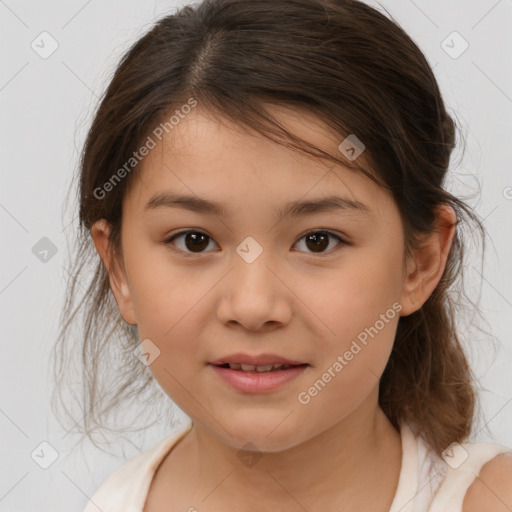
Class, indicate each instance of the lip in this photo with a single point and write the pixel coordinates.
(260, 359)
(257, 382)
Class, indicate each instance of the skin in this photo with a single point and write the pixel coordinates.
(338, 450)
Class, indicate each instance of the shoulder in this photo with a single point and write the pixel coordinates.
(127, 485)
(492, 488)
(120, 487)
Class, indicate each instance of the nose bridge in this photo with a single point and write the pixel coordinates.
(252, 294)
(252, 276)
(252, 270)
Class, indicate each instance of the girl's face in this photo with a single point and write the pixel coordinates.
(256, 282)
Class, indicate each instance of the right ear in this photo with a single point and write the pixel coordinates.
(100, 233)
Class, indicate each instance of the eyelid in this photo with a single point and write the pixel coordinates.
(335, 233)
(341, 238)
(168, 241)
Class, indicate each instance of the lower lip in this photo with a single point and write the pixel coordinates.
(257, 382)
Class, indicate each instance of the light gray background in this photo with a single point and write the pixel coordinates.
(46, 107)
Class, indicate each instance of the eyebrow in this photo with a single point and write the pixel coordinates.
(291, 209)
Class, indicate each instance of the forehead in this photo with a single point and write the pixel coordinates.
(213, 158)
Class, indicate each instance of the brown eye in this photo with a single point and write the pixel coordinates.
(193, 242)
(319, 241)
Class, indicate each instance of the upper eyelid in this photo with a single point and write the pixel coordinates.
(314, 230)
(339, 236)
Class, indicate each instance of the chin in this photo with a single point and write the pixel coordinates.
(267, 432)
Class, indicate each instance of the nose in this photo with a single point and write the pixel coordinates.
(254, 296)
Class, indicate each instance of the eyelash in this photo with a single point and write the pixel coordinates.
(169, 241)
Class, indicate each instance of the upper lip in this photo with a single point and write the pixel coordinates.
(257, 360)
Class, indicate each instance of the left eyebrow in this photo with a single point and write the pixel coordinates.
(291, 209)
(323, 204)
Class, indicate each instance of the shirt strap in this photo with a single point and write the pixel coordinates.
(464, 462)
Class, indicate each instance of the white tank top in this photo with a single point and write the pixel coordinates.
(429, 483)
(426, 483)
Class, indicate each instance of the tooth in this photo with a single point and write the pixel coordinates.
(264, 368)
(276, 365)
(234, 366)
(248, 367)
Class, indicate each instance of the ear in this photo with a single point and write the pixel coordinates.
(425, 268)
(100, 233)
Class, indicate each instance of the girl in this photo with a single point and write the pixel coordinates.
(263, 182)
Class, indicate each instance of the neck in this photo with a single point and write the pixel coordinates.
(350, 461)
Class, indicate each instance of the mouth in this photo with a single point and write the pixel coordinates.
(257, 374)
(253, 368)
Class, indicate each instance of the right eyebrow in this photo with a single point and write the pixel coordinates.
(192, 203)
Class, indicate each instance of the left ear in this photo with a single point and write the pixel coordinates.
(425, 268)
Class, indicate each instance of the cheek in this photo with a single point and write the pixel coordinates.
(359, 304)
(170, 307)
(352, 358)
(357, 293)
(164, 295)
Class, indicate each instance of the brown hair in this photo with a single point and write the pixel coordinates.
(359, 72)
